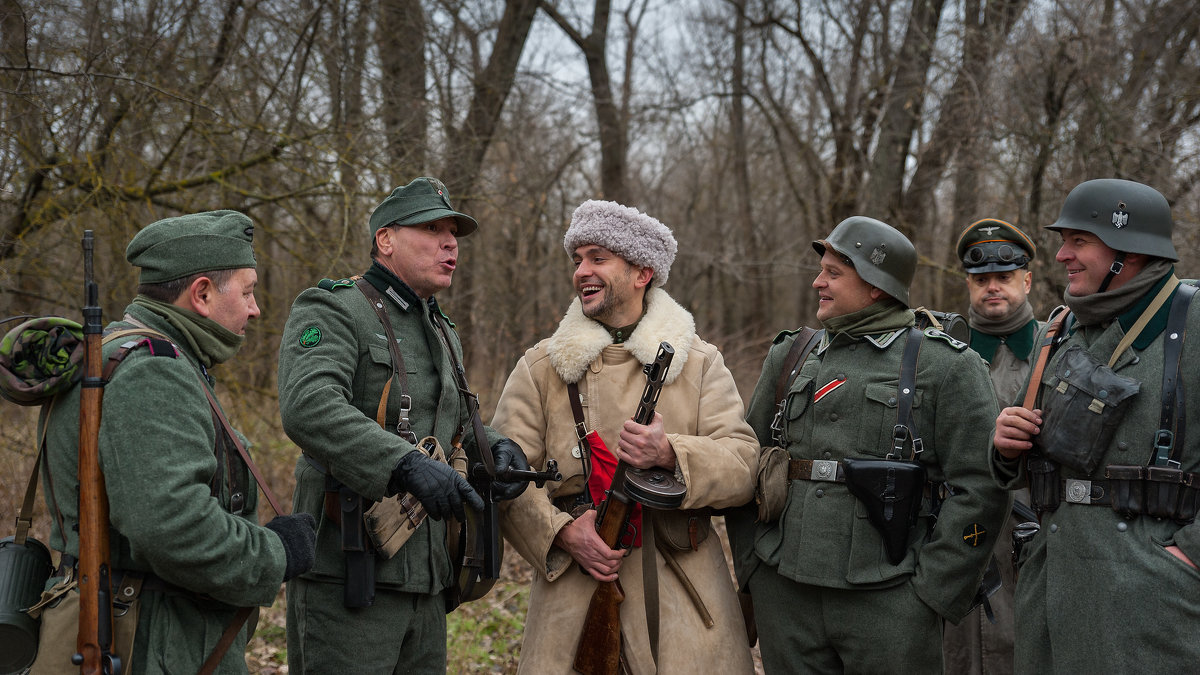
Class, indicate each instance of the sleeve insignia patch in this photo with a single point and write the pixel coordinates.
(310, 337)
(974, 535)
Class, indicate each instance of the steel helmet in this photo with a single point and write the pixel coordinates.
(881, 255)
(1125, 215)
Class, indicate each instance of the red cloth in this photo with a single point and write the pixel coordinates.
(604, 467)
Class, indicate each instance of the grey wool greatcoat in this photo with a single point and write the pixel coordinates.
(715, 450)
(823, 538)
(169, 504)
(1098, 592)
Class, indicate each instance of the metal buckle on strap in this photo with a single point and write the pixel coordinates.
(777, 423)
(403, 427)
(824, 470)
(1077, 491)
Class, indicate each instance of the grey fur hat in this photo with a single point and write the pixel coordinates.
(631, 234)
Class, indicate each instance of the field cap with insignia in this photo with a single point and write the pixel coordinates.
(992, 245)
(173, 248)
(879, 253)
(638, 238)
(422, 201)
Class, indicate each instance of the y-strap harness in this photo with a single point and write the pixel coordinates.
(1128, 488)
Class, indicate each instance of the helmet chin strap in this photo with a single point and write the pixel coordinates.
(1117, 265)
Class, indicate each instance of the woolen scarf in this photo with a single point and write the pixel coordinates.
(1098, 308)
(211, 342)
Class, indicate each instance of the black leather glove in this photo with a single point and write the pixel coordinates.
(439, 488)
(508, 455)
(298, 532)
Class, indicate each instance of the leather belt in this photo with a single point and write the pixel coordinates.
(825, 470)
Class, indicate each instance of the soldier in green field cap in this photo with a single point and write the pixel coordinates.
(366, 384)
(1109, 449)
(182, 501)
(995, 255)
(881, 435)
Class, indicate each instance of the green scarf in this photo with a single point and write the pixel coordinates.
(885, 315)
(211, 342)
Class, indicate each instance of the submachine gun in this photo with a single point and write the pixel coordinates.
(599, 651)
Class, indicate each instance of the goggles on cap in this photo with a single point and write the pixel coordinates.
(994, 252)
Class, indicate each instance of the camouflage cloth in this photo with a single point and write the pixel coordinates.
(39, 359)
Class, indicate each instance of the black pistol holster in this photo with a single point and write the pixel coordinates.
(891, 489)
(359, 589)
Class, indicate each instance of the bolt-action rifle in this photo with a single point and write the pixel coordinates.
(94, 642)
(599, 651)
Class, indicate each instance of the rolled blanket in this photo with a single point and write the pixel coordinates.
(39, 359)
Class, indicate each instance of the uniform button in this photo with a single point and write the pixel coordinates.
(1054, 527)
(891, 400)
(833, 417)
(827, 454)
(853, 347)
(820, 493)
(1122, 526)
(1122, 445)
(840, 376)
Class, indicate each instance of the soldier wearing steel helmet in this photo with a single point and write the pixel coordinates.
(995, 256)
(829, 593)
(1110, 584)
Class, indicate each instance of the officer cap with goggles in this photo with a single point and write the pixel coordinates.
(991, 245)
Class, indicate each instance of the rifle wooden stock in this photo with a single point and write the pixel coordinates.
(94, 641)
(599, 650)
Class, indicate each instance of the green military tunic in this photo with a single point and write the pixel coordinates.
(823, 562)
(1097, 592)
(176, 512)
(333, 364)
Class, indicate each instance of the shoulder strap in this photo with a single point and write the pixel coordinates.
(399, 372)
(1144, 319)
(1035, 375)
(460, 377)
(804, 343)
(581, 432)
(906, 426)
(1170, 435)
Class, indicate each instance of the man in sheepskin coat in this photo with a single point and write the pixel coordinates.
(612, 328)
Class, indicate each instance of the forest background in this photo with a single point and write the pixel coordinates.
(750, 127)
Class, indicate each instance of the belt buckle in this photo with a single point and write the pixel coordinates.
(824, 470)
(1078, 491)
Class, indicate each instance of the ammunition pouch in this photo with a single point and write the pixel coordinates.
(1083, 406)
(892, 491)
(1044, 491)
(391, 522)
(681, 531)
(771, 484)
(1022, 534)
(1161, 492)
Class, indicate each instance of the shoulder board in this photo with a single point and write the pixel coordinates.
(333, 284)
(936, 334)
(448, 321)
(783, 334)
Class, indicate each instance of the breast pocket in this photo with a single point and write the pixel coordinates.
(878, 421)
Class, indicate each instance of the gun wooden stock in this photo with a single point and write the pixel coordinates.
(599, 650)
(94, 641)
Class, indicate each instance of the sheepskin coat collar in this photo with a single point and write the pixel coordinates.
(579, 340)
